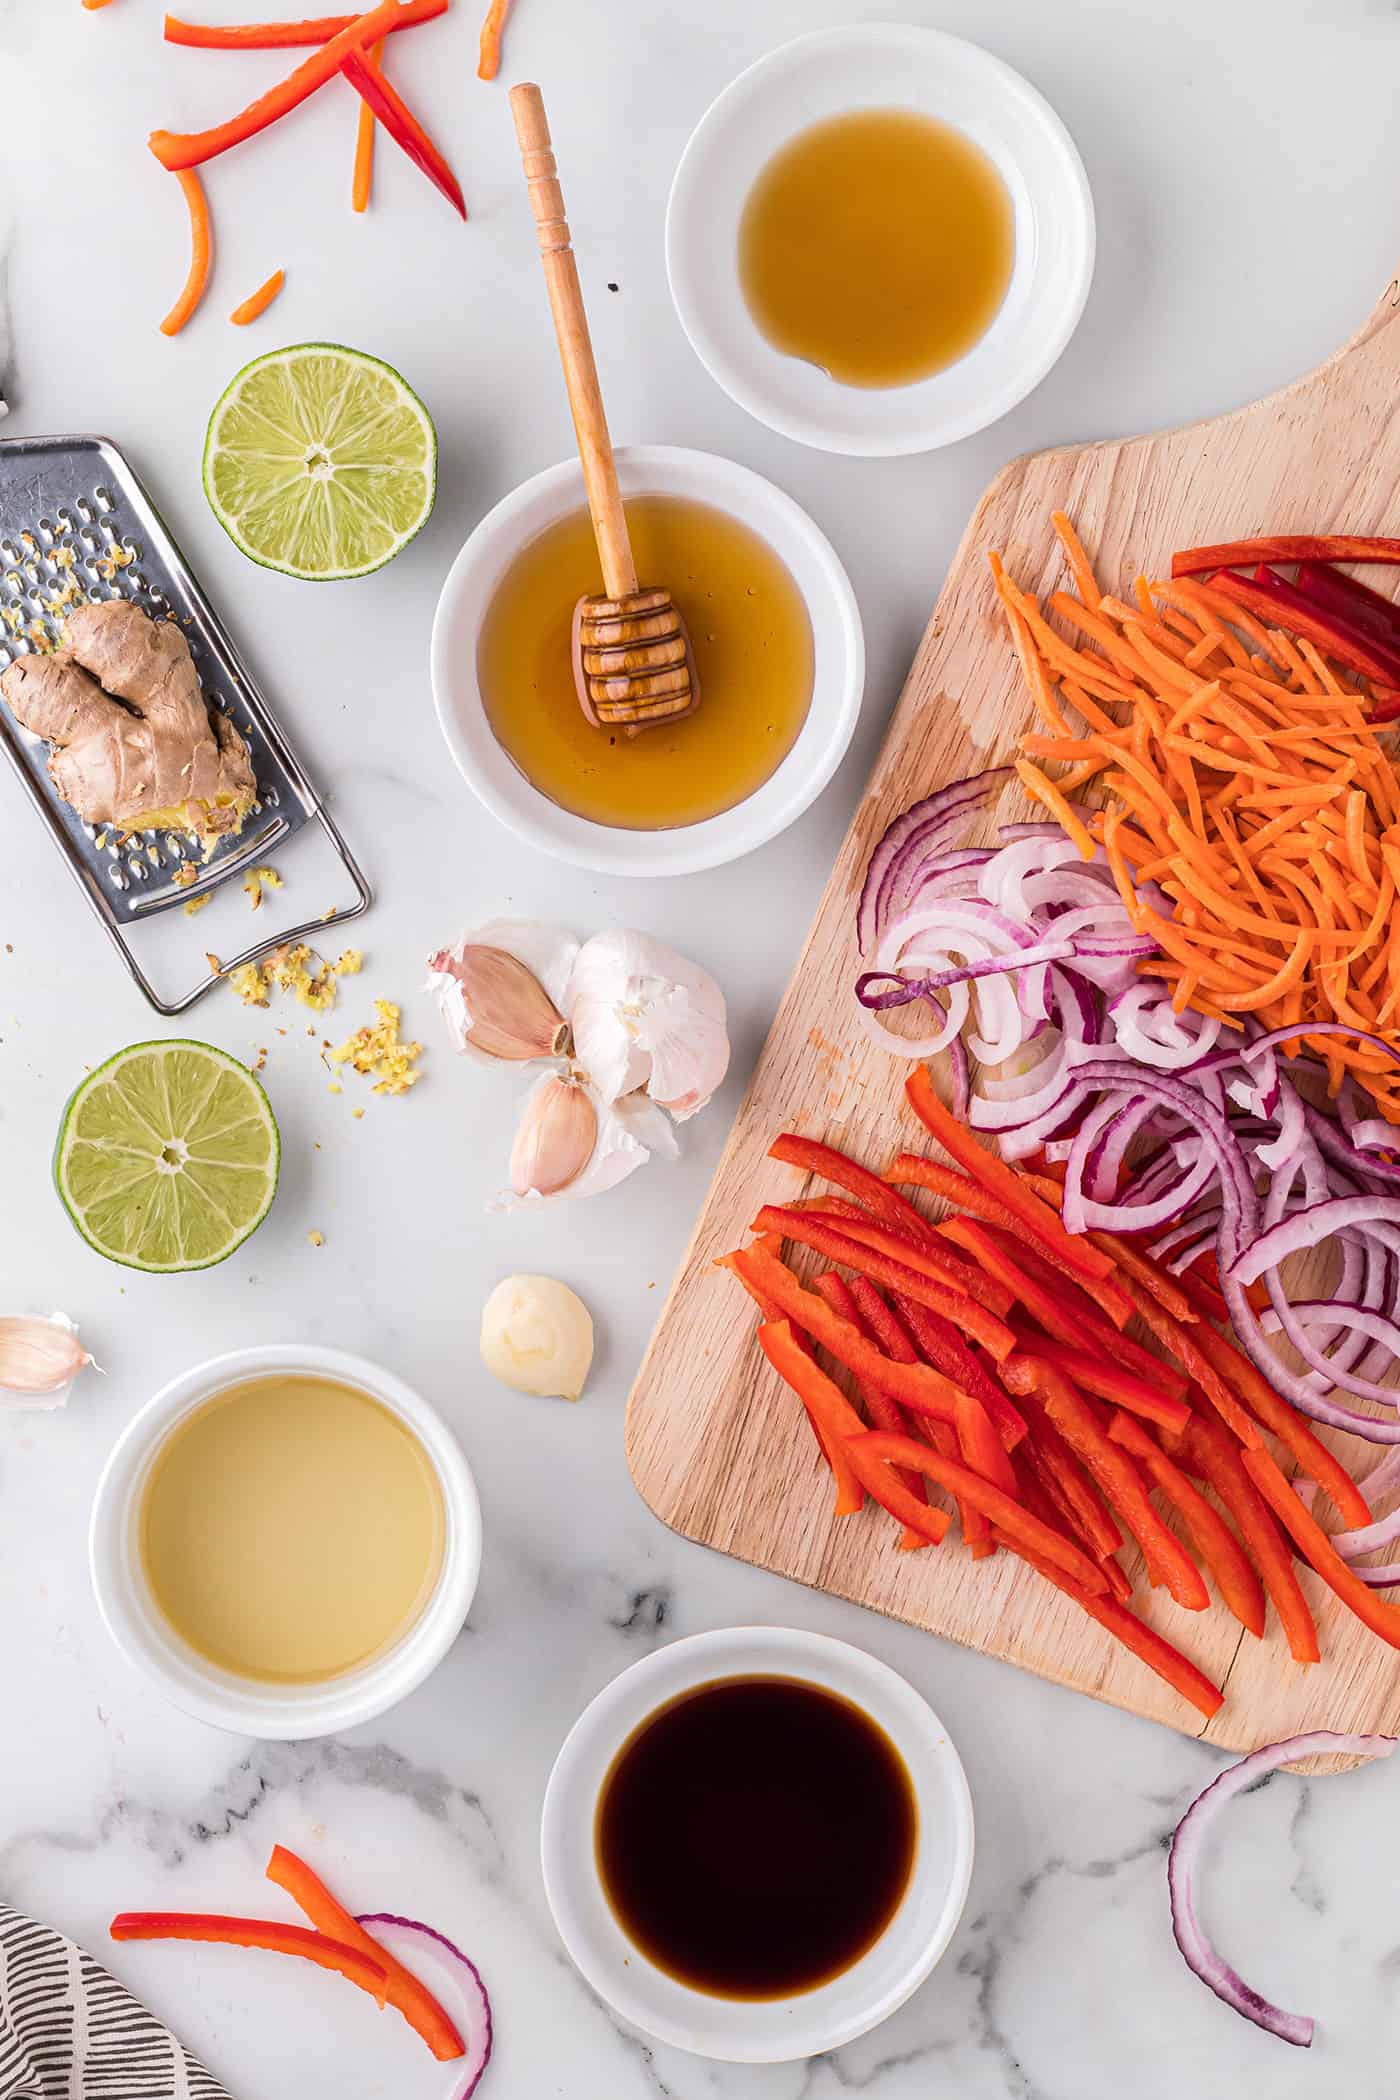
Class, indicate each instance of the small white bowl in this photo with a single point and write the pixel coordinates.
(769, 2030)
(202, 1688)
(872, 65)
(838, 670)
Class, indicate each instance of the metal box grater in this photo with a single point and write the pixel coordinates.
(76, 523)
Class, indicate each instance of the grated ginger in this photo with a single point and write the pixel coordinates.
(378, 1052)
(258, 880)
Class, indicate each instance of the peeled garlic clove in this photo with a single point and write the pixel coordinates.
(557, 1138)
(537, 1337)
(501, 990)
(39, 1357)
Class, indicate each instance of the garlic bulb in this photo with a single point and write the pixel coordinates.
(645, 1017)
(537, 1337)
(548, 1160)
(501, 987)
(39, 1359)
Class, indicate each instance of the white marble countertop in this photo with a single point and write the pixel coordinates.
(1246, 166)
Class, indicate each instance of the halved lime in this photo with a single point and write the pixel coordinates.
(320, 462)
(167, 1156)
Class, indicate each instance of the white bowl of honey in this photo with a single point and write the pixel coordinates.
(879, 239)
(778, 648)
(285, 1541)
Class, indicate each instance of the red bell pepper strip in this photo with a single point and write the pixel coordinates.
(270, 1934)
(1065, 1480)
(827, 1404)
(176, 150)
(879, 1408)
(1315, 1546)
(887, 1330)
(885, 1203)
(1280, 605)
(999, 1180)
(1286, 546)
(1208, 1449)
(850, 1496)
(1207, 1530)
(1180, 1343)
(1338, 592)
(940, 1344)
(913, 1385)
(1012, 1520)
(808, 1230)
(379, 94)
(928, 1258)
(1134, 1633)
(1094, 1374)
(1168, 1562)
(1106, 1296)
(285, 36)
(401, 1987)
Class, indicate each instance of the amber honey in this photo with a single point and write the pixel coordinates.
(877, 245)
(753, 653)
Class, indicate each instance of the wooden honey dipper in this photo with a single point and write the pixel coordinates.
(633, 664)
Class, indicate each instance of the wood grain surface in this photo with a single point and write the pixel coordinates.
(717, 1447)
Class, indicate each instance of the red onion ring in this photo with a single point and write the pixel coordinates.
(454, 1980)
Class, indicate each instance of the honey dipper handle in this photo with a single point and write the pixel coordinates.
(575, 344)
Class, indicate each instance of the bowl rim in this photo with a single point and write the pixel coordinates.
(217, 1696)
(593, 1742)
(933, 431)
(787, 793)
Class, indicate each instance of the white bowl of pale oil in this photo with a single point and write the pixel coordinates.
(285, 1541)
(879, 239)
(778, 648)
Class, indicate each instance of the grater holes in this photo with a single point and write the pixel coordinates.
(104, 498)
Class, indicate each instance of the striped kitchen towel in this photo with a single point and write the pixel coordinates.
(69, 2031)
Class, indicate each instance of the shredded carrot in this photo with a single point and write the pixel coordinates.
(490, 62)
(261, 300)
(93, 5)
(201, 252)
(1246, 782)
(364, 144)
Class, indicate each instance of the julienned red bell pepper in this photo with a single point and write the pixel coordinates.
(378, 94)
(1338, 592)
(1108, 1382)
(1064, 1479)
(401, 1988)
(1167, 1560)
(930, 1259)
(940, 1344)
(176, 150)
(285, 36)
(1101, 1297)
(1313, 1543)
(879, 1408)
(1279, 605)
(858, 1181)
(807, 1228)
(1274, 1412)
(999, 1180)
(1207, 1530)
(1285, 546)
(828, 1405)
(269, 1934)
(1209, 1449)
(1181, 1344)
(850, 1496)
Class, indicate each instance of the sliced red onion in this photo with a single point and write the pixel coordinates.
(913, 839)
(1187, 1843)
(1309, 1228)
(882, 989)
(454, 1980)
(962, 1078)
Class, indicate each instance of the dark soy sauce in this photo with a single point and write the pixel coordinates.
(756, 1836)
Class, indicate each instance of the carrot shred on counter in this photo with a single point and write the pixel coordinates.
(489, 64)
(201, 252)
(260, 301)
(364, 144)
(1252, 812)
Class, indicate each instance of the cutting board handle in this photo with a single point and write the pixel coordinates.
(1381, 318)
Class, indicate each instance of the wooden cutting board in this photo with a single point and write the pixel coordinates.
(717, 1447)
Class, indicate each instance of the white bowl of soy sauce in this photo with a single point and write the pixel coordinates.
(757, 1844)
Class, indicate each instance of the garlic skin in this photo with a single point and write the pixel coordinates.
(645, 1017)
(491, 1013)
(626, 1134)
(39, 1359)
(537, 1337)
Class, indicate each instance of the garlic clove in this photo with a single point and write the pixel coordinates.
(39, 1359)
(537, 1337)
(629, 1133)
(494, 1013)
(644, 1016)
(689, 1052)
(557, 1138)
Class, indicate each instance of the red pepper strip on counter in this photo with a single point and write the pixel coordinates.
(931, 1260)
(1168, 1562)
(201, 253)
(286, 36)
(880, 1409)
(913, 1385)
(269, 1934)
(1287, 546)
(176, 150)
(1211, 1536)
(808, 1230)
(940, 1344)
(1209, 1450)
(828, 1405)
(1016, 1524)
(401, 1987)
(999, 1180)
(1107, 1382)
(1315, 1546)
(850, 1496)
(858, 1181)
(403, 127)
